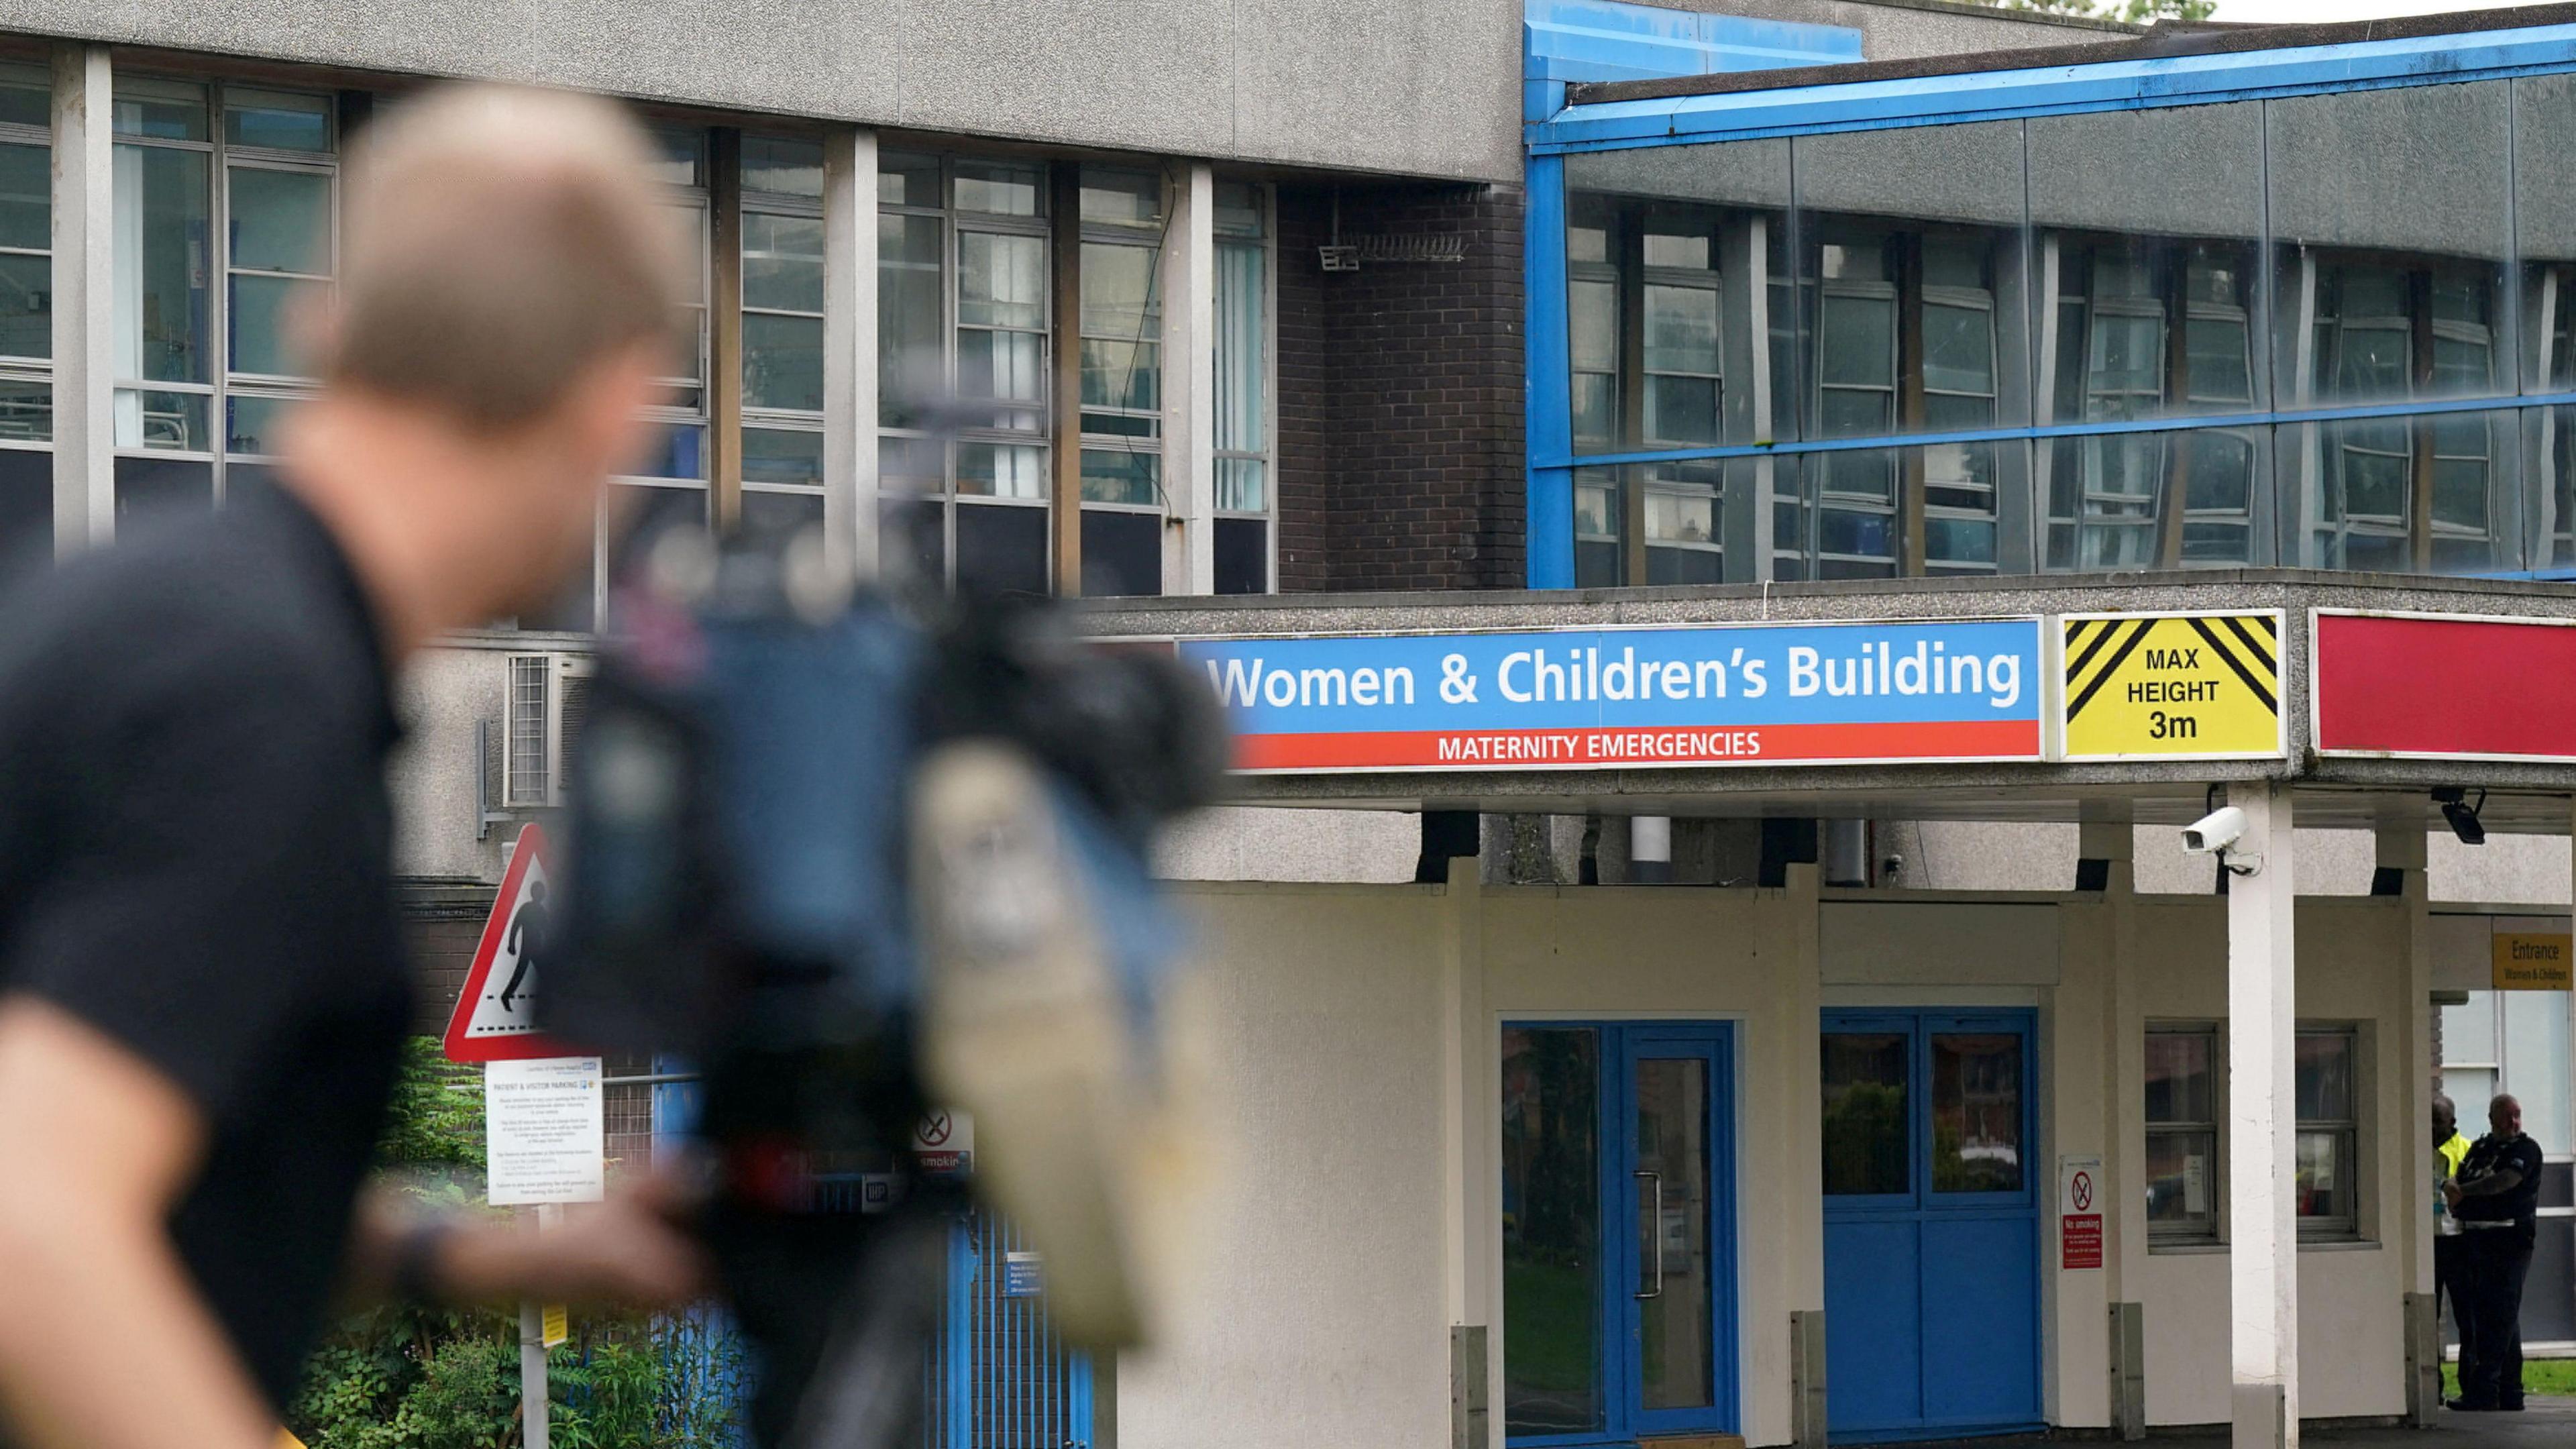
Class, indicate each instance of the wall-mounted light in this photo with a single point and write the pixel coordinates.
(2454, 800)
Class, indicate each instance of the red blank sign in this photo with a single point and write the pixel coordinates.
(2445, 688)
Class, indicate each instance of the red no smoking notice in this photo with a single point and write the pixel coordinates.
(2079, 1213)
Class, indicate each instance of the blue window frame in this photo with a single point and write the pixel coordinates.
(2205, 385)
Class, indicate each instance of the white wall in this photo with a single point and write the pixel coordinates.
(1319, 1316)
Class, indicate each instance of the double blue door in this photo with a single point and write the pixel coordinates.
(1931, 1224)
(998, 1377)
(1619, 1307)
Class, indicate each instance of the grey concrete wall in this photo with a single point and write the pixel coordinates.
(1386, 85)
(1910, 29)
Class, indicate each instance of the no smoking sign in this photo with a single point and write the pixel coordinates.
(2079, 1226)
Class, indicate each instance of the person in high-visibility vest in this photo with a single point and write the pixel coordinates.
(2449, 1146)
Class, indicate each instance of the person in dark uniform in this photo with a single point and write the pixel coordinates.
(2497, 1200)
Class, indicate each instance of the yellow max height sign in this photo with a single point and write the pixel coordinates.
(2172, 686)
(2531, 961)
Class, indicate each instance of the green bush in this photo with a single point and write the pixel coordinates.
(408, 1377)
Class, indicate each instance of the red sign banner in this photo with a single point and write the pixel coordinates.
(2079, 1240)
(2443, 687)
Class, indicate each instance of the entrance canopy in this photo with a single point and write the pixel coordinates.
(2073, 699)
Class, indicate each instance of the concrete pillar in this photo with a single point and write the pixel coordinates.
(2262, 1032)
(2088, 1340)
(1189, 384)
(2401, 855)
(850, 347)
(84, 180)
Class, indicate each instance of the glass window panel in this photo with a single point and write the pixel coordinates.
(1000, 190)
(2365, 260)
(2221, 472)
(1676, 1357)
(277, 120)
(1865, 1114)
(782, 455)
(1552, 1230)
(1587, 243)
(1681, 410)
(2544, 135)
(679, 155)
(782, 361)
(1855, 414)
(2469, 1037)
(1001, 470)
(168, 110)
(264, 313)
(1240, 209)
(782, 165)
(26, 99)
(26, 511)
(1593, 326)
(26, 410)
(770, 520)
(2182, 1182)
(1000, 549)
(1114, 476)
(1001, 280)
(255, 422)
(163, 255)
(1965, 541)
(1958, 349)
(782, 262)
(1121, 375)
(911, 353)
(1242, 485)
(1976, 1112)
(1242, 554)
(1242, 351)
(2323, 1174)
(2323, 1076)
(1681, 329)
(682, 453)
(26, 306)
(1122, 554)
(2217, 360)
(1119, 294)
(26, 196)
(150, 488)
(1856, 341)
(2180, 1068)
(2536, 1065)
(1596, 408)
(912, 537)
(907, 180)
(1007, 367)
(168, 420)
(1680, 517)
(1121, 198)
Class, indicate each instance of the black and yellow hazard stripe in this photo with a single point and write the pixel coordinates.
(2248, 644)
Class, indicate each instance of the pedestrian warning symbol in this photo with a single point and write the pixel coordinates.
(2172, 686)
(495, 1018)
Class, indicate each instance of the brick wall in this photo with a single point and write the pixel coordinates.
(1400, 395)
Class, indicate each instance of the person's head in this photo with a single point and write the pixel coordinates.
(507, 290)
(537, 892)
(2446, 1119)
(2504, 1115)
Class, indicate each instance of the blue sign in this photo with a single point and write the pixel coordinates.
(1719, 694)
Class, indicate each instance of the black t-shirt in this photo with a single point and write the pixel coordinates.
(195, 849)
(2521, 1207)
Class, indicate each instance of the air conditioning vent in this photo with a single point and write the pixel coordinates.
(549, 700)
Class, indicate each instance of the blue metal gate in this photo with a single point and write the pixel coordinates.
(999, 1377)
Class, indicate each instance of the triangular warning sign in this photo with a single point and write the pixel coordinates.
(495, 1018)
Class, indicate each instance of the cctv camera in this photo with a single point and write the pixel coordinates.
(2214, 832)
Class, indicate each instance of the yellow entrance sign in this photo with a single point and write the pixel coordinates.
(556, 1323)
(2532, 961)
(2172, 686)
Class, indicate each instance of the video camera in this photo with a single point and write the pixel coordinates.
(852, 852)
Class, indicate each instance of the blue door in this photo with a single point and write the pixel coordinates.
(999, 1377)
(1619, 1304)
(1931, 1224)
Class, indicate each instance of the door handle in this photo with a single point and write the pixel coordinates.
(1656, 1232)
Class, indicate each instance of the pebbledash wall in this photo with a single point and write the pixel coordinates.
(1359, 1050)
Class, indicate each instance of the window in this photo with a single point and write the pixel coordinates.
(964, 314)
(1244, 307)
(1121, 326)
(26, 314)
(2328, 1096)
(225, 210)
(782, 338)
(2511, 1041)
(2182, 1111)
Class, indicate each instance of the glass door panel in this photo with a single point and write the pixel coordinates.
(1866, 1078)
(1976, 1112)
(1552, 1259)
(1674, 1353)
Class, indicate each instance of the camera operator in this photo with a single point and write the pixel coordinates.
(202, 1000)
